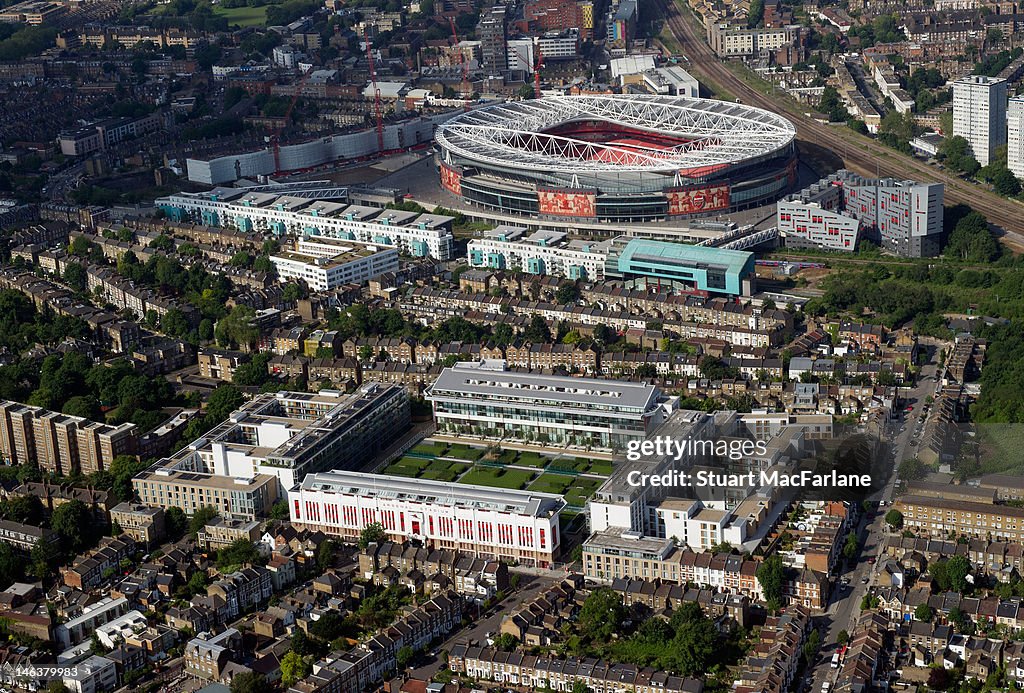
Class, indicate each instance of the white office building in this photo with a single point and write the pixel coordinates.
(1015, 136)
(979, 114)
(327, 263)
(507, 524)
(418, 235)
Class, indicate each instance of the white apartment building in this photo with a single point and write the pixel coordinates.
(93, 675)
(327, 263)
(419, 235)
(503, 523)
(542, 252)
(979, 114)
(1015, 136)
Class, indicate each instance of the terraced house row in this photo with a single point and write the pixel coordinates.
(519, 669)
(758, 330)
(938, 517)
(606, 558)
(366, 664)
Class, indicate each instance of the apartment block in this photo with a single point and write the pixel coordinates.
(418, 235)
(60, 443)
(327, 263)
(979, 114)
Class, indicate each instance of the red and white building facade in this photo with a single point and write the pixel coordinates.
(501, 523)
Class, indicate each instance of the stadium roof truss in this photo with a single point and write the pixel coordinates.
(514, 133)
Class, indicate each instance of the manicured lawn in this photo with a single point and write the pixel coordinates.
(551, 483)
(243, 16)
(458, 467)
(435, 449)
(401, 470)
(439, 466)
(465, 452)
(439, 474)
(601, 467)
(501, 478)
(417, 462)
(532, 459)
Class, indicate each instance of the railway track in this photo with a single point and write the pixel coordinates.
(861, 154)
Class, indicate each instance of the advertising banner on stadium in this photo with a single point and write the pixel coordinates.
(567, 203)
(708, 198)
(450, 179)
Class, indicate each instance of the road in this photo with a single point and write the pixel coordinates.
(860, 153)
(903, 434)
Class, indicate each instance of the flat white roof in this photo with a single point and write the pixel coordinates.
(388, 487)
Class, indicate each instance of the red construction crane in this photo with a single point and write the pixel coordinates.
(377, 111)
(276, 137)
(466, 89)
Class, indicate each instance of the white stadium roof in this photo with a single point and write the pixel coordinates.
(513, 134)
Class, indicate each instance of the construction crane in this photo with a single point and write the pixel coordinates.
(377, 111)
(275, 139)
(466, 89)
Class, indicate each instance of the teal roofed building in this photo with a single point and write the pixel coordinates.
(678, 265)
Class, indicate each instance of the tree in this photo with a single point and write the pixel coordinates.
(894, 518)
(601, 615)
(73, 522)
(45, 556)
(250, 682)
(567, 293)
(325, 554)
(175, 523)
(279, 511)
(506, 642)
(12, 566)
(938, 678)
(910, 469)
(770, 575)
(222, 401)
(56, 687)
(26, 510)
(404, 656)
(373, 533)
(239, 552)
(923, 612)
(294, 667)
(1005, 183)
(526, 92)
(197, 582)
(86, 406)
(75, 276)
(812, 645)
(695, 639)
(96, 645)
(852, 546)
(201, 517)
(842, 638)
(538, 331)
(957, 570)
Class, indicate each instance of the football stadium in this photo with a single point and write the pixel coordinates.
(616, 157)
